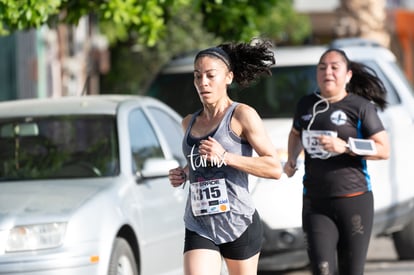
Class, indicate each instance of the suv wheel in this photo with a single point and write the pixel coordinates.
(122, 259)
(404, 242)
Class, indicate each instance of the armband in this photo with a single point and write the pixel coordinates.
(363, 147)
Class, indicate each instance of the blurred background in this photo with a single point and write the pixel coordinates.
(54, 48)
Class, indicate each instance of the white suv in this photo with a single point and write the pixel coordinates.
(280, 202)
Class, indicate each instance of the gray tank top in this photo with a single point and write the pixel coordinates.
(227, 226)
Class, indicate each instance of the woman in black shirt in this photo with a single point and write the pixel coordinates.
(337, 210)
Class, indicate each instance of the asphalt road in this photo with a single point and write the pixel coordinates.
(382, 260)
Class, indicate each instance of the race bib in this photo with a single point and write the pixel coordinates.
(209, 197)
(310, 141)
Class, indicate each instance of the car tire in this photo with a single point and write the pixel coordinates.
(122, 260)
(404, 242)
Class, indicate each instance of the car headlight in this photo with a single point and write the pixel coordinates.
(37, 236)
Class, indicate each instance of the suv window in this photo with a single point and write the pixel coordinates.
(272, 97)
(276, 96)
(58, 147)
(176, 90)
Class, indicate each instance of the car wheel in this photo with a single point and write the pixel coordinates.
(404, 242)
(122, 259)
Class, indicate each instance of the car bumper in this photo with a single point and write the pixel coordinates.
(283, 249)
(48, 263)
(85, 270)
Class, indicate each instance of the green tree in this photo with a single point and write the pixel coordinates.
(144, 34)
(284, 25)
(148, 19)
(187, 30)
(133, 66)
(244, 19)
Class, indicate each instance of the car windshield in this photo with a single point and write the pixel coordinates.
(56, 147)
(272, 97)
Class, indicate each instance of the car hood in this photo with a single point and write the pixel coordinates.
(39, 201)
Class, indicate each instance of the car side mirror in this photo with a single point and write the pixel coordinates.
(156, 167)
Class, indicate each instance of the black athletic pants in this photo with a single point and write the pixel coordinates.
(338, 230)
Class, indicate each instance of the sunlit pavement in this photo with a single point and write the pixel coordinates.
(382, 260)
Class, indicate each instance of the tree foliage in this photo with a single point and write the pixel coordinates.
(243, 19)
(147, 20)
(21, 15)
(144, 34)
(146, 17)
(188, 30)
(284, 25)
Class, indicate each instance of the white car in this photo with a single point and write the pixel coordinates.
(84, 187)
(280, 202)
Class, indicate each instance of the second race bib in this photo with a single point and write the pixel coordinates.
(310, 141)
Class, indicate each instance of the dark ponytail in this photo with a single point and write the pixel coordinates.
(249, 61)
(366, 83)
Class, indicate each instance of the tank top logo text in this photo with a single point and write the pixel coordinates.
(197, 160)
